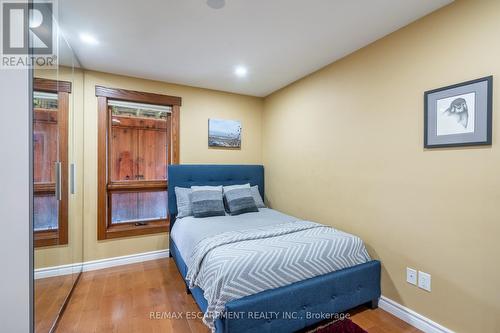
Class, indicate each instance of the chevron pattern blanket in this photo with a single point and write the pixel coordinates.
(236, 264)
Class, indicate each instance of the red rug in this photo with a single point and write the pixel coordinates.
(339, 326)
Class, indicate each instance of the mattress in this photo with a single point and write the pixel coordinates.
(189, 231)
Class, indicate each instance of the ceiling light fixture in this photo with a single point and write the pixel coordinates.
(36, 18)
(216, 4)
(241, 71)
(89, 39)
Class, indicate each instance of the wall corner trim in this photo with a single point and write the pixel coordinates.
(411, 317)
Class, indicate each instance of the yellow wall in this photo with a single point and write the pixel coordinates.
(344, 146)
(198, 105)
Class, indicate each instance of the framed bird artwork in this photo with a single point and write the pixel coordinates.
(459, 115)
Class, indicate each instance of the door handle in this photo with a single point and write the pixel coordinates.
(72, 175)
(58, 181)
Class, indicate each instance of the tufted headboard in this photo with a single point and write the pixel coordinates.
(187, 175)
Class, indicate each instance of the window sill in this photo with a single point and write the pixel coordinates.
(130, 229)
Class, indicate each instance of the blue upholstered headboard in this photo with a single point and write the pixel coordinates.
(187, 175)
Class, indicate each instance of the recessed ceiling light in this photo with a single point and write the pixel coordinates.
(36, 18)
(216, 4)
(241, 71)
(89, 39)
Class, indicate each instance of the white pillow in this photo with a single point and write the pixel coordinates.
(232, 187)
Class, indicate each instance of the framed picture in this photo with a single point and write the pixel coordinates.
(459, 115)
(224, 133)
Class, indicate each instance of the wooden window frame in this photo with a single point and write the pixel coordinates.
(104, 228)
(60, 236)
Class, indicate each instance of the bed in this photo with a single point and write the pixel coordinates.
(297, 305)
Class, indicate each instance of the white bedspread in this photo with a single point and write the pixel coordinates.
(231, 257)
(189, 231)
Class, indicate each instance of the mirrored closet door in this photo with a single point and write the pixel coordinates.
(57, 122)
(50, 161)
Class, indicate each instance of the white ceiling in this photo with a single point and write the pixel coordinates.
(187, 42)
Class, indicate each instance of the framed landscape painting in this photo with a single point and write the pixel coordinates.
(459, 115)
(224, 133)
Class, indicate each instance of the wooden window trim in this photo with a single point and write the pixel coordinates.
(59, 236)
(137, 185)
(137, 96)
(47, 238)
(104, 229)
(52, 86)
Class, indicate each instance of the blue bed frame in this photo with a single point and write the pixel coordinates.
(298, 305)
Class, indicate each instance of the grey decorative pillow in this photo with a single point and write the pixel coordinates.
(229, 188)
(239, 200)
(184, 204)
(257, 198)
(207, 201)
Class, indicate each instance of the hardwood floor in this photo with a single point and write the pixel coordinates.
(50, 294)
(121, 299)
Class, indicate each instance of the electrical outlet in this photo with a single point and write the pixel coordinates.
(424, 281)
(411, 276)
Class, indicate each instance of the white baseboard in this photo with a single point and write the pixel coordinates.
(411, 317)
(41, 273)
(124, 260)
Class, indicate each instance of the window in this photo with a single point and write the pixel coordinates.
(50, 162)
(138, 138)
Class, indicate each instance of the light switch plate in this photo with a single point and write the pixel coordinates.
(424, 281)
(411, 276)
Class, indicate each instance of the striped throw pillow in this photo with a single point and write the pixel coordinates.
(239, 200)
(207, 201)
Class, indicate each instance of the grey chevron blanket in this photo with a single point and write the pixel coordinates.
(235, 264)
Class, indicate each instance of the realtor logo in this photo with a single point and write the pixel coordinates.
(29, 34)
